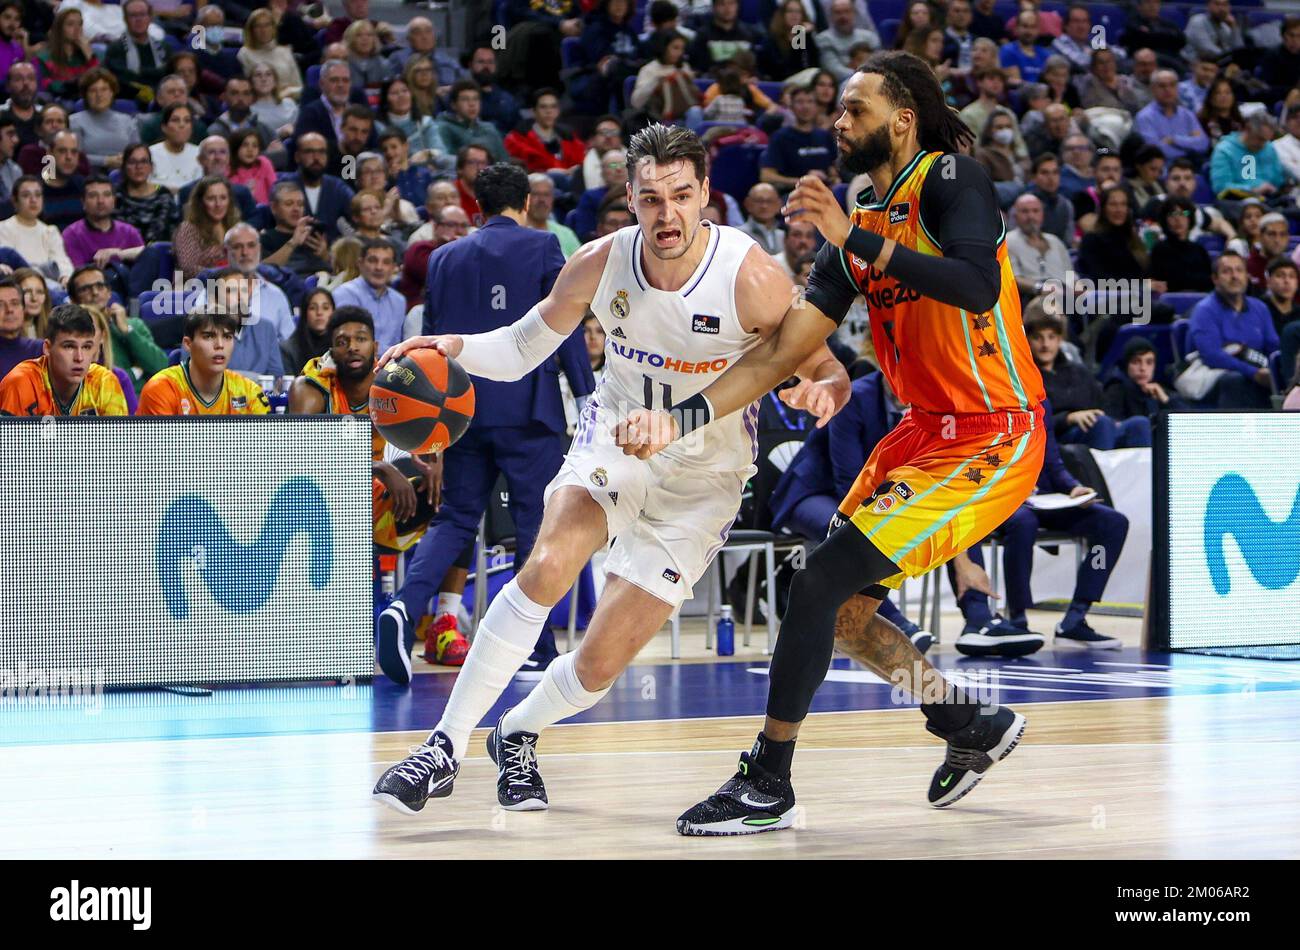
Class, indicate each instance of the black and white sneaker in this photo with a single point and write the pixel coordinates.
(519, 783)
(428, 772)
(921, 638)
(753, 800)
(394, 642)
(1085, 636)
(999, 637)
(973, 750)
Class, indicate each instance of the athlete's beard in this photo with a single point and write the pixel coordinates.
(862, 157)
(348, 375)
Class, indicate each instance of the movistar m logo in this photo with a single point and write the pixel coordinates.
(240, 576)
(1270, 548)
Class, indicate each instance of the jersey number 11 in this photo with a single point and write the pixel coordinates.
(650, 394)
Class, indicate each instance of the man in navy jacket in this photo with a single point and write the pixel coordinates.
(476, 284)
(333, 198)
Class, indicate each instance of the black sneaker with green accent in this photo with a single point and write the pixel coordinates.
(973, 750)
(753, 800)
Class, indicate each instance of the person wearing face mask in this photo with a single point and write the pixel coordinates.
(996, 152)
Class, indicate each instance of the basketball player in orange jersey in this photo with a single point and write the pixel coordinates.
(925, 245)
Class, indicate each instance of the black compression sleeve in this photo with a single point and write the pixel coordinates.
(959, 208)
(829, 287)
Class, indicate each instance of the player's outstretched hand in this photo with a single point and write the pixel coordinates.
(645, 432)
(821, 399)
(812, 200)
(448, 345)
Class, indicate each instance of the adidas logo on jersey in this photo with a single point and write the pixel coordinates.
(703, 323)
(613, 496)
(618, 332)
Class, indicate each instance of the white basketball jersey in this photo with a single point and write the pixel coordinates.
(662, 347)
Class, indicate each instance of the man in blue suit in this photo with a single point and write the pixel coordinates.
(479, 283)
(810, 490)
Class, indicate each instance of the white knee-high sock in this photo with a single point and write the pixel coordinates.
(559, 695)
(504, 639)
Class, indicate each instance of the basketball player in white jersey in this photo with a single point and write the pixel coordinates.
(680, 300)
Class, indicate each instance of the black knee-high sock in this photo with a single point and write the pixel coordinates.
(844, 564)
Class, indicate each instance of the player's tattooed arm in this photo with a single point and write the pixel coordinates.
(863, 635)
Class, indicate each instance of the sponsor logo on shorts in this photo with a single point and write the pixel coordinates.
(618, 332)
(883, 504)
(613, 496)
(703, 323)
(619, 306)
(837, 521)
(600, 478)
(898, 213)
(903, 491)
(671, 575)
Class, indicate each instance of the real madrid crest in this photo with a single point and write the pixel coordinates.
(619, 306)
(599, 478)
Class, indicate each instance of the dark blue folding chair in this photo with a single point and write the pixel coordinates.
(1182, 302)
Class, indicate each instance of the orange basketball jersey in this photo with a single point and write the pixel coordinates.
(26, 391)
(939, 358)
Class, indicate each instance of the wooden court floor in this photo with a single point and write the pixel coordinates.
(1197, 776)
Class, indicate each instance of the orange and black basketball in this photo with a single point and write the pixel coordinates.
(422, 402)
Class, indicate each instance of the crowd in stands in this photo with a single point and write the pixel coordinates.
(1147, 158)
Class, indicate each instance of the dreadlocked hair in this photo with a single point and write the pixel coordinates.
(909, 83)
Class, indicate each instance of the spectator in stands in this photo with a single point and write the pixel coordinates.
(199, 242)
(1274, 242)
(1050, 135)
(13, 38)
(354, 10)
(1076, 394)
(266, 302)
(420, 139)
(36, 301)
(926, 43)
(543, 145)
(172, 90)
(763, 206)
(130, 340)
(1146, 28)
(1132, 389)
(1171, 126)
(826, 92)
(372, 291)
(1023, 58)
(497, 105)
(325, 116)
(270, 105)
(791, 45)
(985, 23)
(239, 115)
(800, 240)
(345, 263)
(411, 179)
(1232, 176)
(1180, 182)
(1058, 211)
(297, 30)
(328, 197)
(1280, 298)
(958, 38)
(1050, 24)
(1287, 147)
(991, 81)
(1280, 67)
(103, 131)
(176, 158)
(1234, 332)
(438, 195)
(40, 244)
(1105, 87)
(399, 215)
(1104, 530)
(310, 337)
(541, 199)
(1143, 70)
(421, 79)
(10, 171)
(138, 58)
(463, 126)
(608, 53)
(97, 237)
(64, 380)
(1111, 248)
(612, 217)
(996, 152)
(800, 149)
(66, 56)
(214, 161)
(450, 224)
(1214, 33)
(249, 167)
(370, 221)
(722, 36)
(845, 32)
(422, 41)
(296, 241)
(665, 86)
(1193, 90)
(15, 345)
(1179, 262)
(365, 59)
(146, 206)
(260, 48)
(1220, 115)
(470, 160)
(202, 85)
(1247, 237)
(1107, 169)
(1039, 259)
(1149, 169)
(257, 345)
(356, 135)
(53, 120)
(1075, 41)
(206, 382)
(22, 106)
(917, 15)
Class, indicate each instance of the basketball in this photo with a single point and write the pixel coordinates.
(422, 402)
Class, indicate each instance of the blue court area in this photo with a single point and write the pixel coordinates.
(645, 693)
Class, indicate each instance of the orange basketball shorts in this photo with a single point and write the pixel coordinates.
(937, 485)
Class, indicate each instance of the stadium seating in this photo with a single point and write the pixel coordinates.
(1179, 329)
(1161, 337)
(1182, 303)
(735, 169)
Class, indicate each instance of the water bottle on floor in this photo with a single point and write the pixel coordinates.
(726, 633)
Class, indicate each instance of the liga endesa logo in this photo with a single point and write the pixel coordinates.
(241, 576)
(1271, 549)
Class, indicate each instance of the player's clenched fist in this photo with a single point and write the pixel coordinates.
(821, 399)
(448, 345)
(645, 432)
(812, 200)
